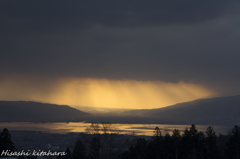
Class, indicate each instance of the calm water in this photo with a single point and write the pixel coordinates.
(138, 129)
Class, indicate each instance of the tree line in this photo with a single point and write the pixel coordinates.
(191, 144)
(102, 141)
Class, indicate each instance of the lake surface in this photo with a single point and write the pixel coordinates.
(137, 129)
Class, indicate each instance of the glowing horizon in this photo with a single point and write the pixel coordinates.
(102, 92)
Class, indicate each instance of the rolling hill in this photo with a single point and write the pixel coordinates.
(219, 110)
(210, 111)
(22, 111)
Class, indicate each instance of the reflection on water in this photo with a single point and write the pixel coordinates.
(137, 129)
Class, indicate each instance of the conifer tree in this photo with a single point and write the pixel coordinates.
(79, 151)
(140, 148)
(94, 148)
(193, 143)
(233, 144)
(167, 146)
(186, 144)
(5, 141)
(211, 143)
(157, 143)
(176, 139)
(68, 154)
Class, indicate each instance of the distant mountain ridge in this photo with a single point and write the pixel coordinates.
(218, 110)
(28, 111)
(210, 111)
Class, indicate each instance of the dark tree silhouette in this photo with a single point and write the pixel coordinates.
(193, 144)
(211, 143)
(68, 154)
(201, 146)
(187, 144)
(5, 141)
(177, 140)
(79, 151)
(140, 148)
(156, 144)
(233, 144)
(167, 147)
(139, 151)
(94, 148)
(190, 145)
(130, 154)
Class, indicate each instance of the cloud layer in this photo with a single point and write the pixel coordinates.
(168, 41)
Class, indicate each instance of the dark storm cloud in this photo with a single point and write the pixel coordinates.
(60, 14)
(144, 40)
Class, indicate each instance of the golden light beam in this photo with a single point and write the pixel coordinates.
(101, 92)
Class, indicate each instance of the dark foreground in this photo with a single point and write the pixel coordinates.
(101, 141)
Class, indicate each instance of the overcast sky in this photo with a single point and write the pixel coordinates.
(161, 40)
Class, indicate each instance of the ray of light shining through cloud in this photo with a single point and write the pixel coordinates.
(102, 92)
